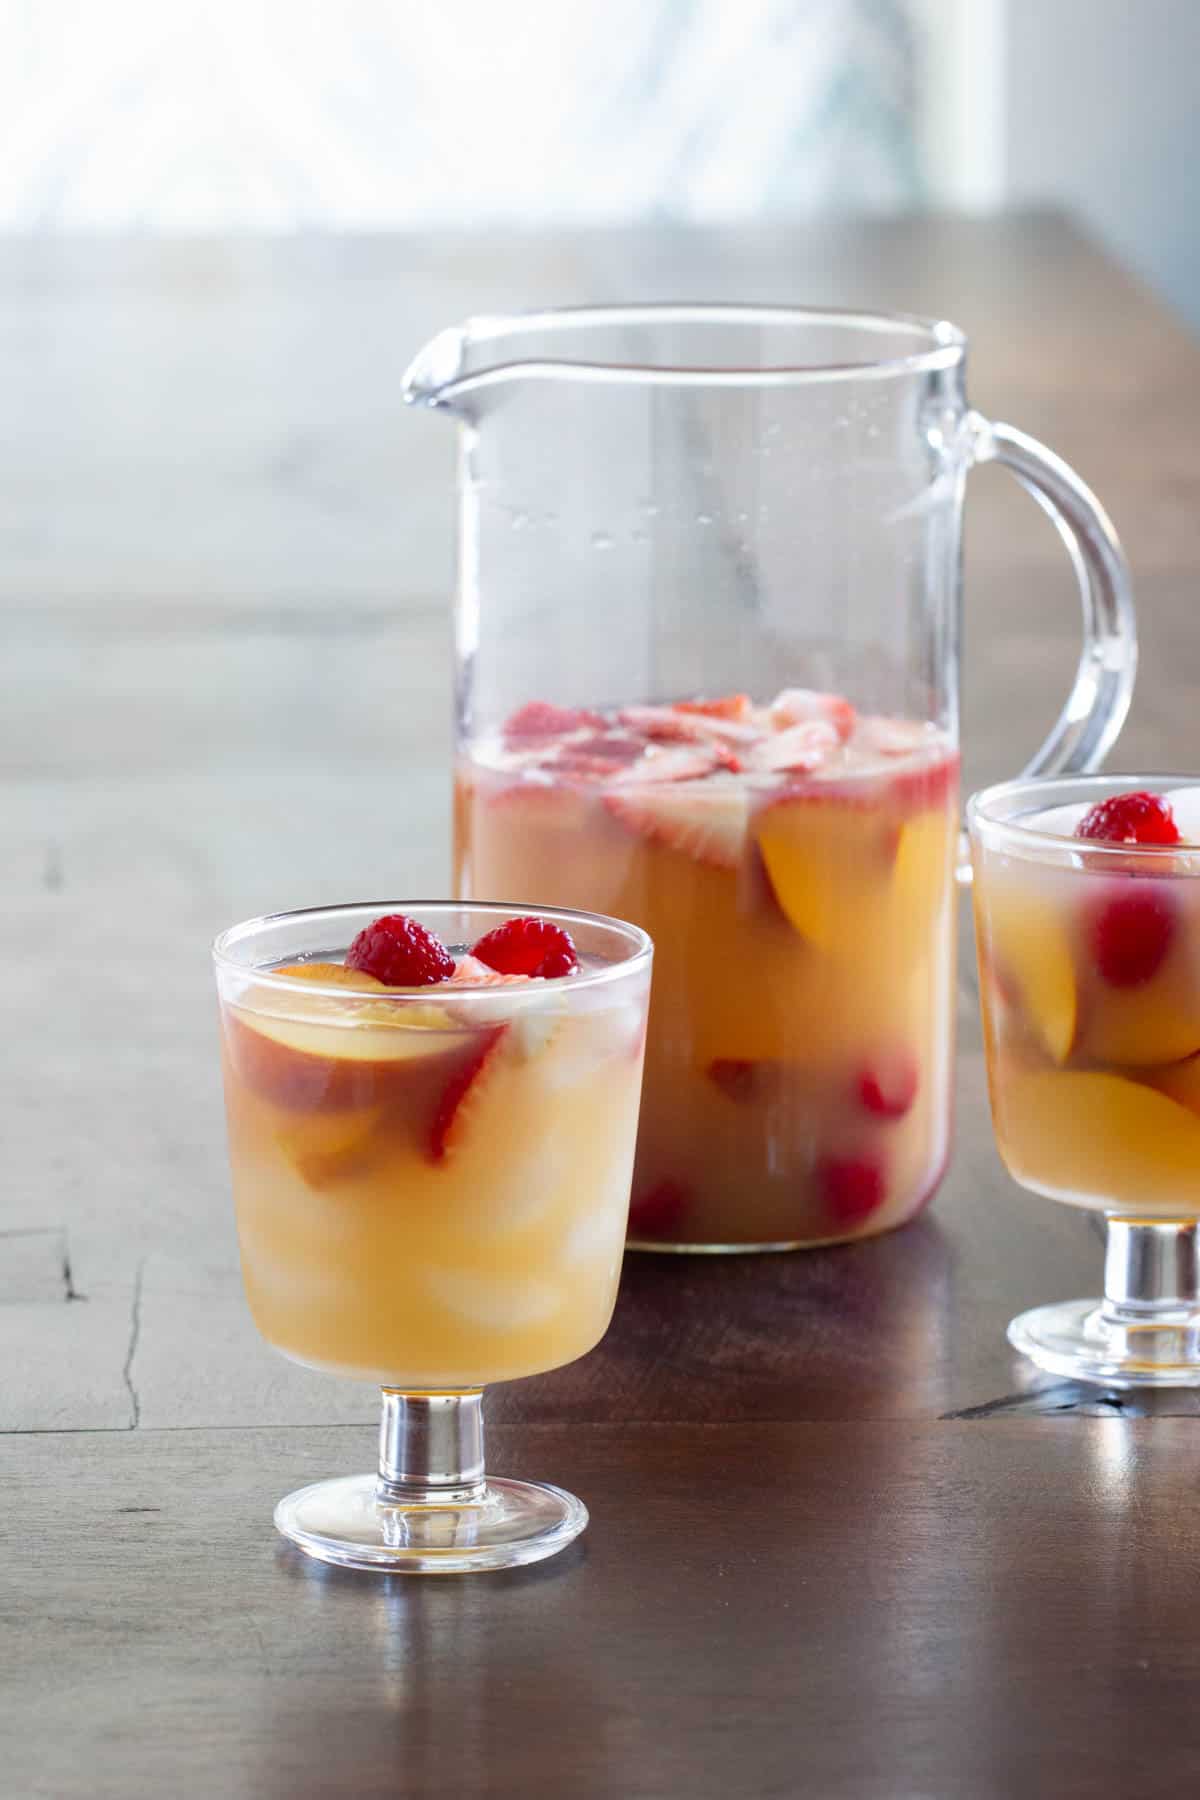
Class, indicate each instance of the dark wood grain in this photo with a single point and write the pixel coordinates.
(844, 1543)
(774, 1610)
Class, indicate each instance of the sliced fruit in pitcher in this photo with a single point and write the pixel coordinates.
(829, 860)
(657, 1211)
(857, 874)
(707, 824)
(852, 1187)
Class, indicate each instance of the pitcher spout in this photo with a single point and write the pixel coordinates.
(435, 371)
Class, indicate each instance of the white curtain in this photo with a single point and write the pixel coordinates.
(282, 115)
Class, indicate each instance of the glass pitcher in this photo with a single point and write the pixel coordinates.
(707, 639)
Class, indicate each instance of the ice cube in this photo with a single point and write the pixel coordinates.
(1056, 821)
(1185, 804)
(497, 1302)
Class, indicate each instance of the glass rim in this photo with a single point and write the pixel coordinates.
(640, 957)
(980, 813)
(942, 346)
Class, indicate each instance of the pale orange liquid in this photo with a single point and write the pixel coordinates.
(1095, 1084)
(367, 1253)
(780, 984)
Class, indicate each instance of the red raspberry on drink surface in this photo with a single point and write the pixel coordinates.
(853, 1187)
(400, 952)
(1136, 818)
(1131, 933)
(557, 962)
(528, 946)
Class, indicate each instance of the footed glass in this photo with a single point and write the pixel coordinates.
(431, 1187)
(1089, 971)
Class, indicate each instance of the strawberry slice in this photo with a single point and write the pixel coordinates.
(684, 764)
(706, 821)
(539, 719)
(657, 1211)
(461, 1093)
(602, 753)
(894, 737)
(729, 706)
(672, 725)
(470, 972)
(800, 706)
(802, 748)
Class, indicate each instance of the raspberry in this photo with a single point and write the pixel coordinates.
(656, 1212)
(854, 1187)
(1131, 933)
(557, 962)
(528, 947)
(737, 1079)
(399, 952)
(888, 1086)
(539, 719)
(1138, 818)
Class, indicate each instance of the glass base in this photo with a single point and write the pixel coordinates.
(344, 1521)
(1075, 1338)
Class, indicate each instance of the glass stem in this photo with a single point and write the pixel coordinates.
(431, 1448)
(1151, 1272)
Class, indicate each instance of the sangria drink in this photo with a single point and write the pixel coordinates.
(431, 1130)
(793, 862)
(1087, 908)
(665, 515)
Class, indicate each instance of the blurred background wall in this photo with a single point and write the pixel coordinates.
(179, 116)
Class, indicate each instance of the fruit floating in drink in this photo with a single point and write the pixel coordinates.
(1087, 910)
(793, 862)
(431, 1139)
(1090, 977)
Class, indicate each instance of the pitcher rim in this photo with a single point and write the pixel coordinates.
(943, 347)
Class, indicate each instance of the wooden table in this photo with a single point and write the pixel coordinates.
(843, 1543)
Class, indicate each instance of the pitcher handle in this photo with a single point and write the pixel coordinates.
(1089, 723)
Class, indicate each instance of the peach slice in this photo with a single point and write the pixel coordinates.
(324, 1146)
(1142, 1027)
(340, 1062)
(332, 975)
(830, 864)
(1098, 1138)
(851, 879)
(1027, 944)
(921, 876)
(1180, 1081)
